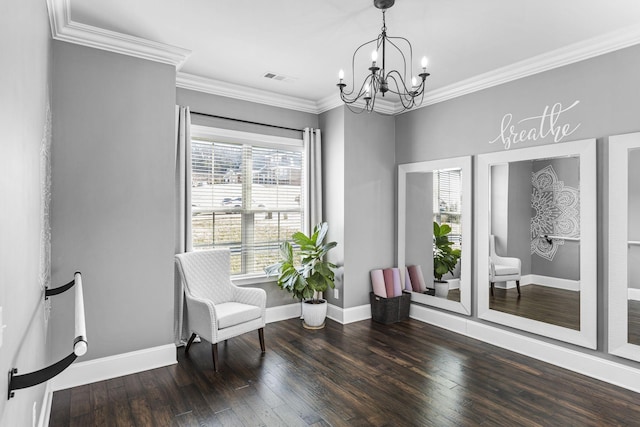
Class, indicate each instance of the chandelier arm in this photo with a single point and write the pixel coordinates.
(401, 89)
(404, 59)
(405, 99)
(371, 79)
(353, 68)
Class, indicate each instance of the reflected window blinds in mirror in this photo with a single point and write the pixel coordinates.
(624, 246)
(439, 192)
(536, 210)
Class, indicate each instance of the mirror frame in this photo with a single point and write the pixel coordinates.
(619, 147)
(464, 164)
(586, 150)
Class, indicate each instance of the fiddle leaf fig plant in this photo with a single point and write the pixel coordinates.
(445, 258)
(313, 274)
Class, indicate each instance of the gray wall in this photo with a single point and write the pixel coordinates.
(243, 110)
(24, 99)
(519, 218)
(370, 204)
(609, 103)
(419, 223)
(609, 96)
(633, 222)
(113, 202)
(333, 170)
(499, 206)
(359, 172)
(237, 109)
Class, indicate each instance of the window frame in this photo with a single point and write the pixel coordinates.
(220, 135)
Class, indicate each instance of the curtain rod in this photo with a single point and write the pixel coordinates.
(247, 121)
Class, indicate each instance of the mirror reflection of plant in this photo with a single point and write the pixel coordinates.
(314, 275)
(445, 258)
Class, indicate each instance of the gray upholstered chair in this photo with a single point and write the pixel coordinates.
(502, 268)
(216, 308)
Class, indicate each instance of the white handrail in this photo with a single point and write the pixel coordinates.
(570, 239)
(17, 382)
(80, 342)
(633, 243)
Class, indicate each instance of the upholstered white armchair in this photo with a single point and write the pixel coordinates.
(216, 308)
(502, 268)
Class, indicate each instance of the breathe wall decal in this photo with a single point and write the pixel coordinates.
(548, 123)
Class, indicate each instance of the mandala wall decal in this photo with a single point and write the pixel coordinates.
(557, 212)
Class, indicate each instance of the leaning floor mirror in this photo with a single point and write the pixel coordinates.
(624, 246)
(536, 238)
(434, 232)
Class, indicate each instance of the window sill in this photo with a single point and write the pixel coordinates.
(251, 279)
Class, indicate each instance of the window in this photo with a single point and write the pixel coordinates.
(447, 202)
(247, 195)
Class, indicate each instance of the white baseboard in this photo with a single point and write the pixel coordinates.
(114, 366)
(283, 312)
(576, 361)
(349, 315)
(510, 284)
(551, 282)
(634, 294)
(439, 318)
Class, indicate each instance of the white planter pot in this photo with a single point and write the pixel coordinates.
(442, 289)
(314, 314)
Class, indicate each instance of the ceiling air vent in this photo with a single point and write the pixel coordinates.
(279, 77)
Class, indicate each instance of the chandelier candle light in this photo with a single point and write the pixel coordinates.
(379, 80)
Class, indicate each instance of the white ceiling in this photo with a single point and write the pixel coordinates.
(239, 41)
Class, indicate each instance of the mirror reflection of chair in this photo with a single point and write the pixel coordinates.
(502, 269)
(216, 308)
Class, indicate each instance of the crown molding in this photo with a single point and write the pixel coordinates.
(332, 101)
(567, 55)
(65, 29)
(230, 90)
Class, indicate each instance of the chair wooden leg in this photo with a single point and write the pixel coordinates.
(191, 338)
(261, 335)
(518, 286)
(214, 353)
(491, 288)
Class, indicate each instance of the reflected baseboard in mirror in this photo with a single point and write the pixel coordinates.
(436, 191)
(536, 211)
(624, 246)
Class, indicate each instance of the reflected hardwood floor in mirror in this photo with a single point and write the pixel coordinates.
(633, 330)
(361, 374)
(555, 306)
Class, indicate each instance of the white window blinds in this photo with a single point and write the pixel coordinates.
(247, 196)
(447, 201)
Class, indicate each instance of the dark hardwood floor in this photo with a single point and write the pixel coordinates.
(633, 331)
(454, 295)
(361, 374)
(550, 305)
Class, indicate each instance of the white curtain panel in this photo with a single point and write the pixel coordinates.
(313, 158)
(183, 215)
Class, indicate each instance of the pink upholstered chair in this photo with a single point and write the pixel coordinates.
(216, 308)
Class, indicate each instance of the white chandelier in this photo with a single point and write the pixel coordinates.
(379, 80)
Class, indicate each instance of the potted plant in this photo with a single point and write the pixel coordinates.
(309, 278)
(445, 258)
